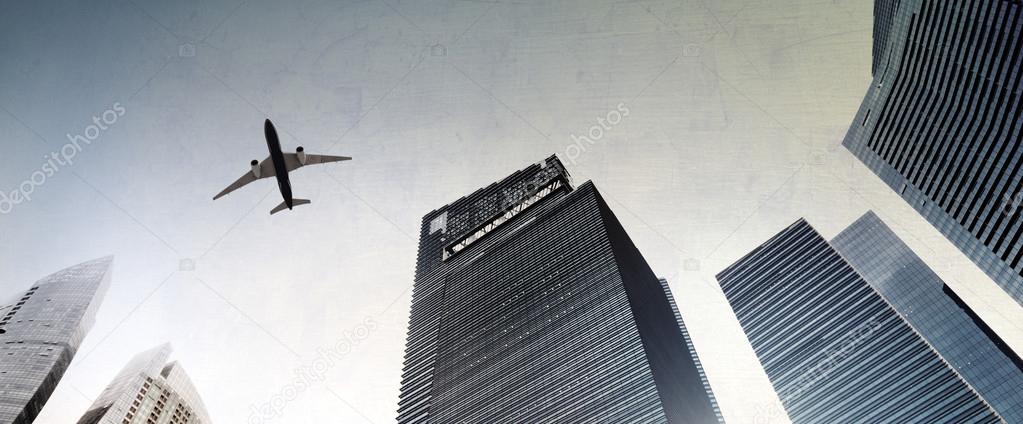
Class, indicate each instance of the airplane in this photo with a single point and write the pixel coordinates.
(279, 164)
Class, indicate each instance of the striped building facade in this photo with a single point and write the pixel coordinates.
(835, 350)
(531, 304)
(933, 309)
(941, 123)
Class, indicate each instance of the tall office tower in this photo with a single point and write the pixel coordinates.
(941, 123)
(531, 304)
(149, 390)
(948, 324)
(837, 351)
(40, 332)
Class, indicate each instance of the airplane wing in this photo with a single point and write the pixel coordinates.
(292, 162)
(266, 170)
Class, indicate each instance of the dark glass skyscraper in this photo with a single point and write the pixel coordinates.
(40, 332)
(948, 324)
(531, 304)
(941, 122)
(837, 351)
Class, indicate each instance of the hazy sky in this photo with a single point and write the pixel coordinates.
(736, 114)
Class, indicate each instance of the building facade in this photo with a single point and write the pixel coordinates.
(531, 304)
(836, 350)
(941, 123)
(930, 306)
(149, 390)
(40, 332)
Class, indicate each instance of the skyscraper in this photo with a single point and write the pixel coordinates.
(948, 324)
(531, 304)
(837, 350)
(941, 123)
(149, 390)
(40, 332)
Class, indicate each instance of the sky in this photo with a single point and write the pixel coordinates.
(736, 112)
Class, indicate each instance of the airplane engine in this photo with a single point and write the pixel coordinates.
(300, 152)
(255, 168)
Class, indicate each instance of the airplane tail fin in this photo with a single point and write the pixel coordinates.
(284, 205)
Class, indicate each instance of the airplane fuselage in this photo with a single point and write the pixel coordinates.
(277, 157)
(278, 165)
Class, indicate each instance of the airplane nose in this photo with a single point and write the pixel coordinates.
(270, 132)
